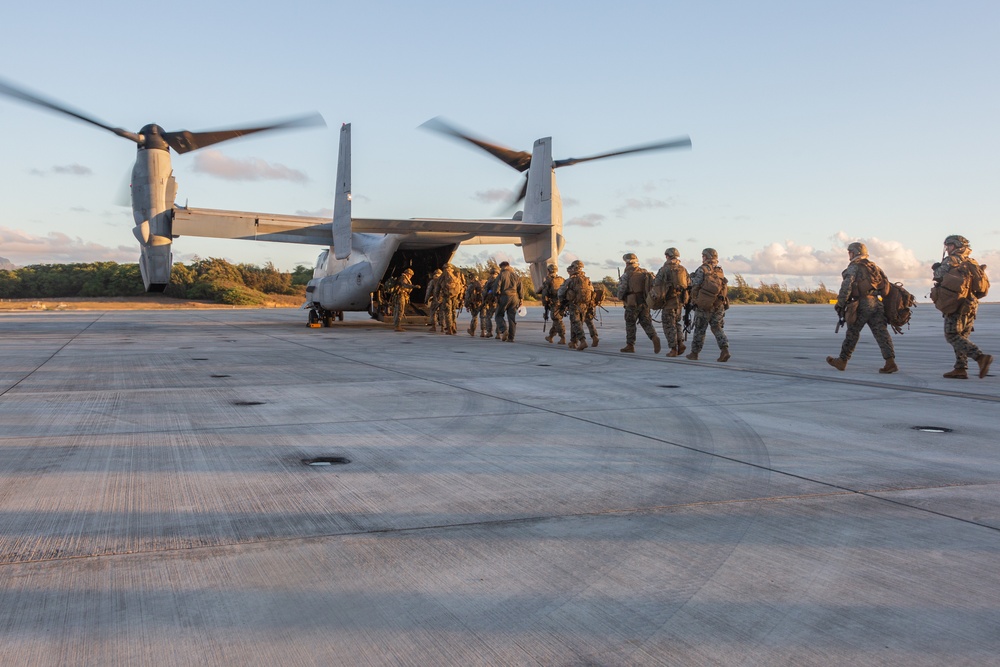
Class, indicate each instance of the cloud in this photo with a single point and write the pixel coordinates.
(214, 163)
(497, 195)
(465, 257)
(589, 220)
(69, 169)
(641, 204)
(319, 213)
(57, 248)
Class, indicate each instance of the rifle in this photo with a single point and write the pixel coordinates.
(687, 319)
(545, 317)
(840, 322)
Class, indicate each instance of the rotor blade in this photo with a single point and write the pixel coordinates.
(519, 160)
(183, 141)
(680, 142)
(512, 204)
(25, 96)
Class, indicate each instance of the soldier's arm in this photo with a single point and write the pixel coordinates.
(845, 287)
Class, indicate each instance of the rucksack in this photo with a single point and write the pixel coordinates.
(599, 293)
(964, 280)
(580, 291)
(872, 278)
(897, 304)
(712, 288)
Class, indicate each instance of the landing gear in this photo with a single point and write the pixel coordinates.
(325, 318)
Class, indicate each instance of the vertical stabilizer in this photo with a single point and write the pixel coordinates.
(342, 199)
(543, 207)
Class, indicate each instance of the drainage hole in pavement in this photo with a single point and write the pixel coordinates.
(248, 402)
(932, 429)
(327, 461)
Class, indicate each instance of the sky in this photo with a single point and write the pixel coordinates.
(813, 124)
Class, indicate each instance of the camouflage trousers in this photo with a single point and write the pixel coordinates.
(486, 319)
(576, 324)
(957, 328)
(557, 328)
(477, 314)
(870, 312)
(445, 315)
(588, 321)
(640, 314)
(399, 303)
(703, 319)
(672, 320)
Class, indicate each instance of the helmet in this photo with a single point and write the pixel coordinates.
(494, 270)
(553, 268)
(957, 241)
(577, 263)
(672, 252)
(711, 253)
(858, 248)
(437, 273)
(407, 272)
(629, 257)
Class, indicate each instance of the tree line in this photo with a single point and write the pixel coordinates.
(220, 281)
(203, 279)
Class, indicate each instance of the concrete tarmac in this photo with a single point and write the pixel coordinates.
(503, 503)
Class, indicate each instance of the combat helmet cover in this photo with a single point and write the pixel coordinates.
(553, 268)
(858, 248)
(710, 253)
(957, 240)
(630, 257)
(672, 253)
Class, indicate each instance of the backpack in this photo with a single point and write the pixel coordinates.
(979, 282)
(599, 293)
(712, 288)
(964, 280)
(640, 284)
(580, 291)
(897, 304)
(872, 279)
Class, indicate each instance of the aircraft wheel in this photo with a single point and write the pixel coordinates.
(313, 318)
(328, 320)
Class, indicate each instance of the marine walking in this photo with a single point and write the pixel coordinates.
(710, 299)
(959, 283)
(635, 284)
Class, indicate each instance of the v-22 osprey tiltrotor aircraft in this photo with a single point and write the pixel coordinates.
(362, 253)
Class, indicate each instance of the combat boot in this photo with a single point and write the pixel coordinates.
(957, 374)
(890, 367)
(548, 339)
(482, 334)
(562, 340)
(693, 356)
(399, 329)
(433, 329)
(674, 352)
(572, 345)
(498, 335)
(594, 340)
(581, 345)
(723, 354)
(629, 347)
(837, 362)
(510, 332)
(984, 362)
(472, 332)
(656, 345)
(680, 348)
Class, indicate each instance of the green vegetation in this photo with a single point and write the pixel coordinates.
(203, 279)
(741, 292)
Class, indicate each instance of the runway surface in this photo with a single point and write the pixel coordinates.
(503, 503)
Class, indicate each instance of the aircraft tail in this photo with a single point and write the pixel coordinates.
(342, 199)
(542, 206)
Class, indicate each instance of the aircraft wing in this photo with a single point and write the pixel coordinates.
(319, 231)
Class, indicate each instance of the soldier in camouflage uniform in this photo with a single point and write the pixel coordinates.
(709, 315)
(550, 300)
(474, 303)
(443, 290)
(509, 295)
(597, 297)
(490, 301)
(958, 325)
(673, 280)
(863, 282)
(632, 290)
(401, 299)
(575, 297)
(429, 299)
